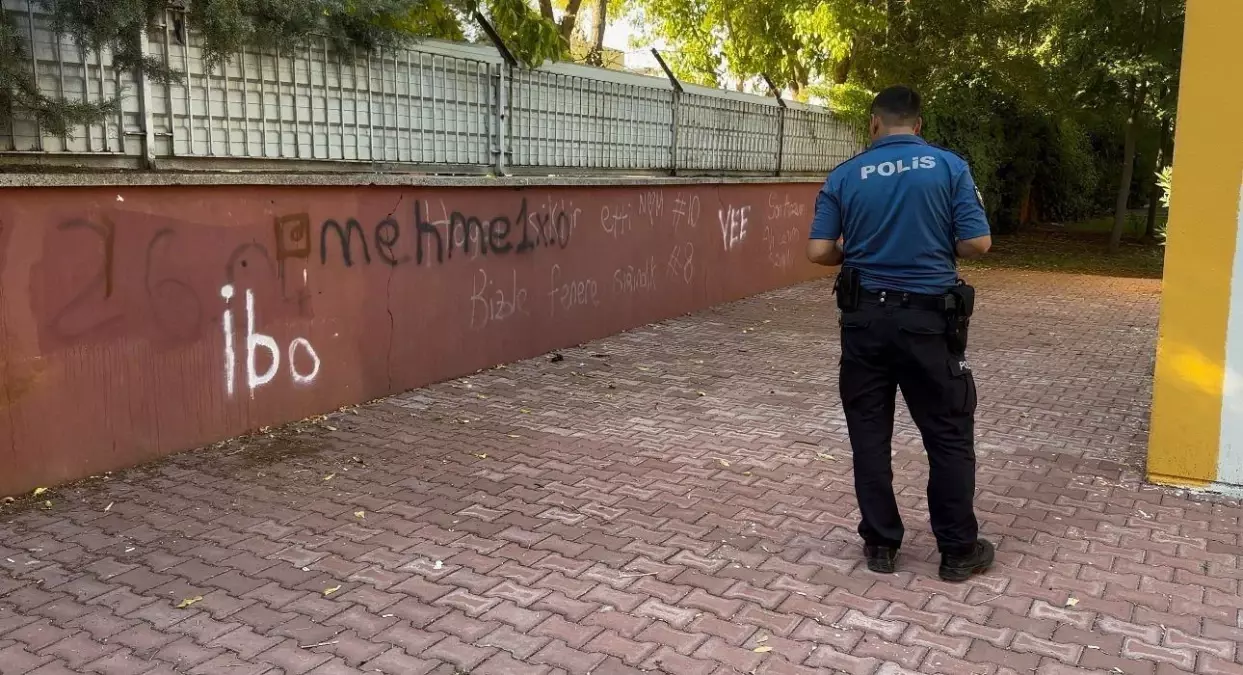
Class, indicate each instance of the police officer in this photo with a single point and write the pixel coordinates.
(896, 217)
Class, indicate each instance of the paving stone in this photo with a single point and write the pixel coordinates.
(660, 500)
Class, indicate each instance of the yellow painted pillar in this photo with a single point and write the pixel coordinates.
(1197, 418)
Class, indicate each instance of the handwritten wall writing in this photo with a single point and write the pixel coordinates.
(630, 279)
(685, 210)
(346, 234)
(100, 278)
(293, 238)
(780, 207)
(681, 263)
(491, 302)
(733, 225)
(118, 267)
(652, 205)
(568, 294)
(256, 342)
(780, 245)
(76, 316)
(615, 219)
(546, 224)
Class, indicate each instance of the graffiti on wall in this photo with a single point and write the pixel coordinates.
(204, 312)
(522, 265)
(256, 342)
(426, 239)
(733, 220)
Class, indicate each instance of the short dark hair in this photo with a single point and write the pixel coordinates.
(897, 105)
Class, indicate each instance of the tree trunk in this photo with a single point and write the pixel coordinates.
(545, 10)
(1025, 203)
(599, 21)
(1128, 168)
(841, 69)
(570, 20)
(1150, 232)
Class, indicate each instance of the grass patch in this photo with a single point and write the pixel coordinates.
(1077, 249)
(1136, 224)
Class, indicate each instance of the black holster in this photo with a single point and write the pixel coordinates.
(959, 305)
(847, 289)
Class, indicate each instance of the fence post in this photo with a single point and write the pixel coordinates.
(781, 121)
(677, 106)
(502, 92)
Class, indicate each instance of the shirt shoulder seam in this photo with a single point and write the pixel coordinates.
(955, 155)
(856, 157)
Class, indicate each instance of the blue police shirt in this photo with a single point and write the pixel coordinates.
(901, 206)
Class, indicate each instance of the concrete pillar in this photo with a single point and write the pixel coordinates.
(1197, 424)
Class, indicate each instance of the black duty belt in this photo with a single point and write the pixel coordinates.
(935, 303)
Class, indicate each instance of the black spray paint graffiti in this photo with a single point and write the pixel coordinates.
(457, 233)
(173, 304)
(99, 287)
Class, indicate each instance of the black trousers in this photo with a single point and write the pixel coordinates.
(886, 348)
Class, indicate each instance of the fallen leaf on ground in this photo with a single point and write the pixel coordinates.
(826, 457)
(762, 649)
(723, 462)
(330, 476)
(108, 507)
(330, 591)
(360, 514)
(189, 601)
(481, 455)
(1071, 602)
(762, 638)
(39, 491)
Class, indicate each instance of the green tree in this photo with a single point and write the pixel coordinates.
(18, 88)
(532, 36)
(1038, 94)
(1124, 56)
(226, 27)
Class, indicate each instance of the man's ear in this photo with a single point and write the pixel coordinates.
(919, 124)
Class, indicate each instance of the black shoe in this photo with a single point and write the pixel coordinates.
(881, 559)
(960, 567)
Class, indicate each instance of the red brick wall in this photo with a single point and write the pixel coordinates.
(125, 312)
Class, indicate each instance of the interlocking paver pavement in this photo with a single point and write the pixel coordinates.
(676, 499)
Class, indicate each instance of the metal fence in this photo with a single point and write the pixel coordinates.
(438, 107)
